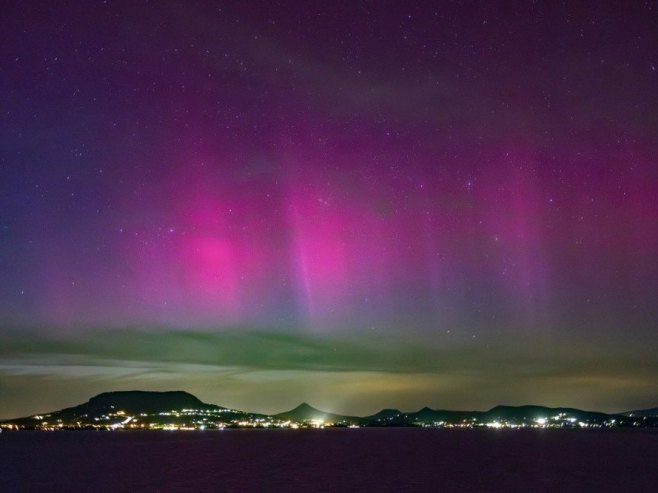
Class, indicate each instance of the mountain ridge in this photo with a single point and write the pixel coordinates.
(651, 412)
(155, 410)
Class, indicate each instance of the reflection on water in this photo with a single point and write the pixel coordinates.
(400, 459)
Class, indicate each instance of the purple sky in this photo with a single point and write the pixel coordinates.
(466, 176)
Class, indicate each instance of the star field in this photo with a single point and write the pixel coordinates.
(477, 180)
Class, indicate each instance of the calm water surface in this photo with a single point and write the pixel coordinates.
(399, 460)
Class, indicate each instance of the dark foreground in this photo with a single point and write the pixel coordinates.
(400, 459)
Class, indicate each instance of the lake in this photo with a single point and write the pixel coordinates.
(374, 459)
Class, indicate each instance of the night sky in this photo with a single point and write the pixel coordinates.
(355, 204)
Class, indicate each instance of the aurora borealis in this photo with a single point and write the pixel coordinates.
(354, 204)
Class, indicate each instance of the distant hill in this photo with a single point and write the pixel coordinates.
(136, 402)
(305, 412)
(427, 415)
(180, 410)
(653, 412)
(531, 413)
(112, 407)
(386, 415)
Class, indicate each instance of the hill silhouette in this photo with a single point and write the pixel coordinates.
(184, 409)
(306, 412)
